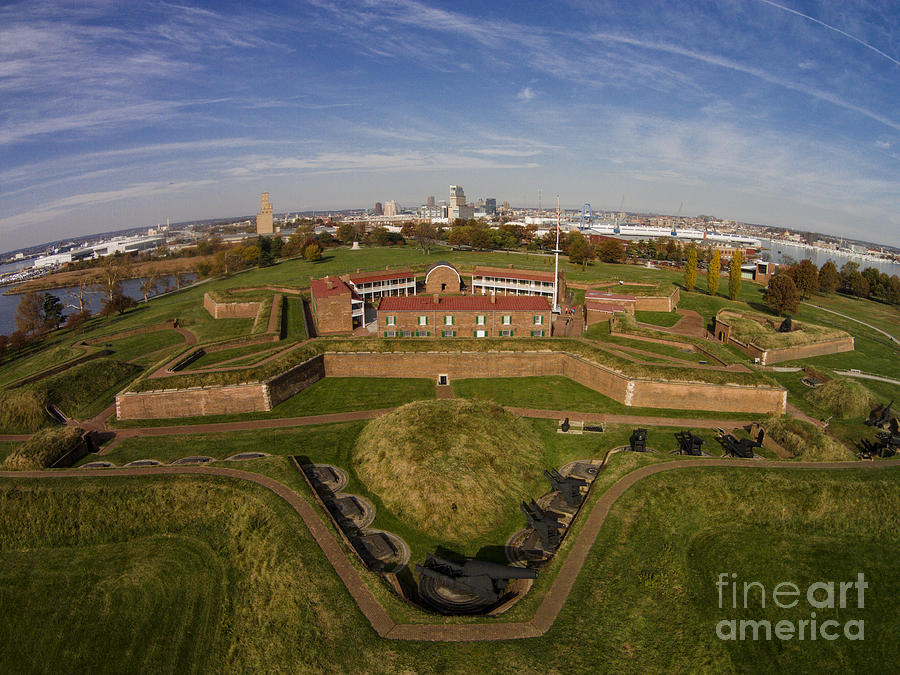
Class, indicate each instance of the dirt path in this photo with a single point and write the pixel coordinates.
(691, 324)
(382, 623)
(597, 418)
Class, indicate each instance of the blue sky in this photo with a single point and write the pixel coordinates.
(122, 114)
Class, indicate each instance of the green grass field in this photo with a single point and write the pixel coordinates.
(658, 318)
(207, 574)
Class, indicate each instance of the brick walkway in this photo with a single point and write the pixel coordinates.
(380, 620)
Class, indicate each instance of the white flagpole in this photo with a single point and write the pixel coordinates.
(556, 263)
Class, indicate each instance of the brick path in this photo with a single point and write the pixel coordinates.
(380, 620)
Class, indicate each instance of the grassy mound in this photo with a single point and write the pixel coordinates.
(842, 397)
(451, 468)
(764, 335)
(806, 441)
(22, 411)
(43, 449)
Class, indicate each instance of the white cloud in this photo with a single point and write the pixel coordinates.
(526, 94)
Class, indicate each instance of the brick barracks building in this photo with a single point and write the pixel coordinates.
(373, 285)
(464, 316)
(510, 281)
(336, 307)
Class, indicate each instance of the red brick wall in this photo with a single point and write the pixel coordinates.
(443, 275)
(522, 323)
(230, 310)
(333, 314)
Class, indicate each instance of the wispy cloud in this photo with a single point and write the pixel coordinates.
(834, 29)
(526, 94)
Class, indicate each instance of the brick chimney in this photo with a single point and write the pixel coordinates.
(437, 298)
(493, 298)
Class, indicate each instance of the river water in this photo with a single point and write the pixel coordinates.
(94, 299)
(779, 249)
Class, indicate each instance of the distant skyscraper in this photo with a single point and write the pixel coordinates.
(379, 211)
(490, 206)
(430, 202)
(390, 208)
(264, 222)
(458, 206)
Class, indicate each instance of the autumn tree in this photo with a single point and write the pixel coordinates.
(805, 276)
(781, 294)
(30, 313)
(712, 274)
(690, 268)
(312, 253)
(580, 250)
(829, 280)
(734, 276)
(611, 250)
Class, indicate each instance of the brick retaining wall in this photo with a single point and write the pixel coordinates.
(230, 310)
(456, 365)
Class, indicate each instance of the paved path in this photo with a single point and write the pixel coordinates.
(596, 418)
(825, 309)
(375, 613)
(866, 376)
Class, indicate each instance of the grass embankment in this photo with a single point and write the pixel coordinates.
(331, 395)
(756, 329)
(80, 392)
(237, 572)
(805, 441)
(144, 344)
(452, 468)
(43, 449)
(842, 397)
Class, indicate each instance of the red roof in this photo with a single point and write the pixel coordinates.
(603, 295)
(368, 277)
(329, 286)
(507, 273)
(464, 303)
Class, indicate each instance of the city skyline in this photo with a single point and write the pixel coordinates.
(764, 112)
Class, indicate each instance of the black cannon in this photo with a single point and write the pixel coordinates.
(544, 523)
(638, 440)
(734, 447)
(569, 488)
(485, 580)
(688, 444)
(785, 326)
(882, 418)
(565, 425)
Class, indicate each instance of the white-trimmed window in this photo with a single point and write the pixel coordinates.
(507, 320)
(448, 320)
(391, 321)
(538, 320)
(423, 320)
(390, 333)
(506, 333)
(537, 333)
(479, 320)
(480, 333)
(448, 333)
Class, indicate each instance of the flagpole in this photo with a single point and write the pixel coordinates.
(556, 263)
